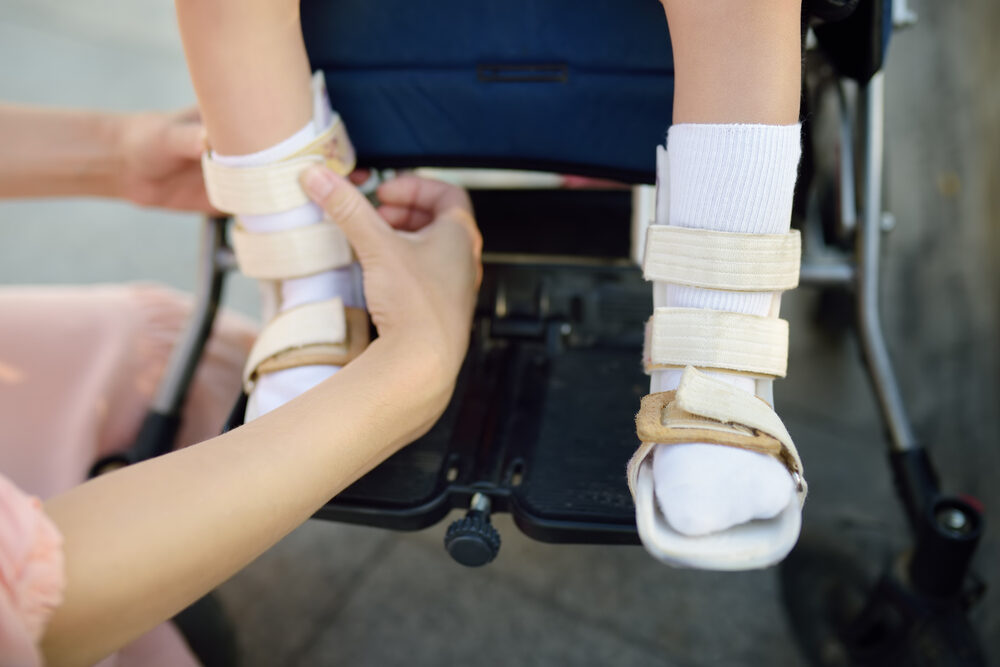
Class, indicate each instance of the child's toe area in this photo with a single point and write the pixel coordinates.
(703, 489)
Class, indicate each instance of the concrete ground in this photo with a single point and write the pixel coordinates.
(342, 595)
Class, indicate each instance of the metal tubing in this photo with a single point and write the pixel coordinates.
(827, 274)
(848, 221)
(187, 352)
(869, 235)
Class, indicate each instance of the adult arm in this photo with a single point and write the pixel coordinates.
(144, 542)
(151, 159)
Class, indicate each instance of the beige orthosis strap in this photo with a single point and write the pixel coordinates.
(722, 260)
(323, 332)
(293, 253)
(704, 409)
(275, 187)
(679, 337)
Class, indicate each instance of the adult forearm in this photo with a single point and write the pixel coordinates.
(146, 541)
(48, 153)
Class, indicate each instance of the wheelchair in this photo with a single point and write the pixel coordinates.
(540, 423)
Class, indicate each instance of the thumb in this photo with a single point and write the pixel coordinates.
(346, 206)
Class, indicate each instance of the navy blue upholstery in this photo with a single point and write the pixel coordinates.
(538, 84)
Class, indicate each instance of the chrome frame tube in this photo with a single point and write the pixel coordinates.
(212, 266)
(873, 346)
(827, 274)
(848, 201)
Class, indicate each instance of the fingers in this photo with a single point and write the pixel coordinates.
(346, 206)
(411, 202)
(403, 218)
(185, 139)
(359, 176)
(424, 194)
(190, 193)
(189, 115)
(468, 222)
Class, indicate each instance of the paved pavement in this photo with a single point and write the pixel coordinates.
(342, 595)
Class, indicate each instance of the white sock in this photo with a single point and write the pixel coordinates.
(275, 389)
(732, 178)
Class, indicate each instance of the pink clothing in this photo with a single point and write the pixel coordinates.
(78, 367)
(31, 575)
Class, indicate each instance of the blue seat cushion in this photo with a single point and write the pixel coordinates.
(577, 87)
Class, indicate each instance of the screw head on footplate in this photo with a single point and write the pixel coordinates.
(472, 540)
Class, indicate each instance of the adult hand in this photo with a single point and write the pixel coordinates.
(160, 160)
(420, 255)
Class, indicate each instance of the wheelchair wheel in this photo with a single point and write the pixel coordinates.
(843, 616)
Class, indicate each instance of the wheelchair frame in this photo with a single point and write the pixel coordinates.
(928, 587)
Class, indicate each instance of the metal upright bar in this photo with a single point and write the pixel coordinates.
(187, 352)
(159, 429)
(868, 240)
(848, 221)
(827, 274)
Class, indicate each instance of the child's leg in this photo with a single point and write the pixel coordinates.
(730, 166)
(252, 77)
(249, 68)
(736, 62)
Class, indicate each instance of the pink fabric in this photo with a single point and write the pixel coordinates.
(78, 366)
(31, 575)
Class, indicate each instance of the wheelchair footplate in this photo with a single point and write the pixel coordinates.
(541, 422)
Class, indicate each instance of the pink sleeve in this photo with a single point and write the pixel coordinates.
(31, 575)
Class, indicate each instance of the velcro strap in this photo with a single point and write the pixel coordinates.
(680, 337)
(704, 409)
(275, 187)
(722, 260)
(319, 323)
(293, 253)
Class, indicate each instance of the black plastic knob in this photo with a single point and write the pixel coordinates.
(472, 540)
